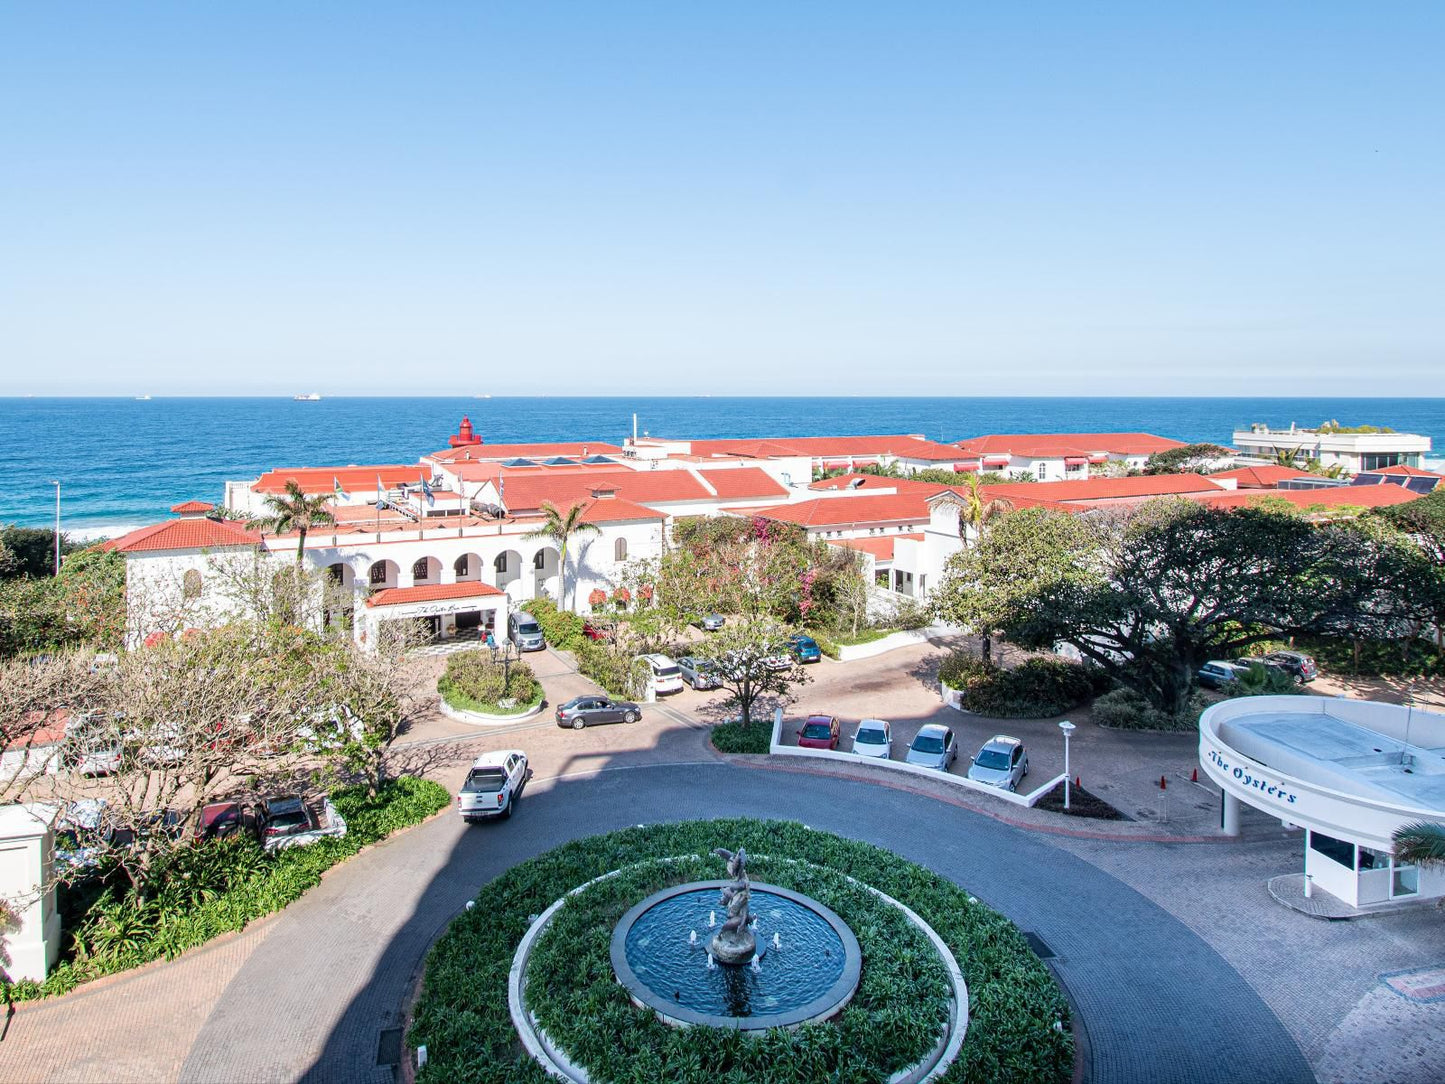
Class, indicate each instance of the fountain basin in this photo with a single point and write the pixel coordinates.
(810, 977)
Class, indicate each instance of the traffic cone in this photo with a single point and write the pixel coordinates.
(1163, 783)
(1194, 776)
(1077, 783)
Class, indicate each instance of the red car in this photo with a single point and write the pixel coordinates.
(598, 630)
(819, 732)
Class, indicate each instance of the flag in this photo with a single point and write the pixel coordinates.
(426, 489)
(380, 489)
(336, 490)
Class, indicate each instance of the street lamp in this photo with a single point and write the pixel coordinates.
(1068, 728)
(56, 483)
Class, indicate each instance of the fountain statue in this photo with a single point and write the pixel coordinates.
(734, 944)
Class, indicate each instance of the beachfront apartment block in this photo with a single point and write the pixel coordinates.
(1352, 452)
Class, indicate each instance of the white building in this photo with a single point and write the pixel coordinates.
(1058, 457)
(1352, 452)
(1349, 772)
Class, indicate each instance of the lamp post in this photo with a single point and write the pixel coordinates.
(56, 483)
(1068, 728)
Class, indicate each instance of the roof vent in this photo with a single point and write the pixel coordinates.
(603, 494)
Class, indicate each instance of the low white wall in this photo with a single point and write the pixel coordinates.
(477, 718)
(777, 748)
(892, 641)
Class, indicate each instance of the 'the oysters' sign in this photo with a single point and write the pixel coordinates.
(1250, 776)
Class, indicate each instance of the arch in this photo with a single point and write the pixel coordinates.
(545, 581)
(191, 585)
(619, 550)
(507, 567)
(382, 574)
(426, 570)
(467, 567)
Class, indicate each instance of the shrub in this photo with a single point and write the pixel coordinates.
(826, 644)
(739, 738)
(474, 682)
(1124, 709)
(215, 887)
(1036, 689)
(620, 675)
(562, 628)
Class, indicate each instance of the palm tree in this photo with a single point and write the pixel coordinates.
(561, 528)
(979, 510)
(295, 511)
(1420, 844)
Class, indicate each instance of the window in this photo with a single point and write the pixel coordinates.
(378, 573)
(540, 561)
(1380, 461)
(620, 549)
(419, 571)
(191, 585)
(500, 564)
(462, 565)
(1040, 470)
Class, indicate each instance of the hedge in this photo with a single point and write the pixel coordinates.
(893, 1020)
(462, 1015)
(1036, 689)
(755, 737)
(1124, 709)
(213, 888)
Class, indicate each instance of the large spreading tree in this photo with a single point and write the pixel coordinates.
(1150, 593)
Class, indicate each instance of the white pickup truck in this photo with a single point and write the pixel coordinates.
(493, 784)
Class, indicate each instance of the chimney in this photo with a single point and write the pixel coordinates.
(601, 493)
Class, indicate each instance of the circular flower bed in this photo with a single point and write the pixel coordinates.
(462, 1014)
(473, 682)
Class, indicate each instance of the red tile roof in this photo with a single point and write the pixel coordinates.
(184, 534)
(617, 510)
(904, 445)
(740, 483)
(314, 480)
(880, 546)
(842, 512)
(1105, 489)
(1262, 477)
(1053, 445)
(434, 592)
(523, 492)
(1329, 497)
(870, 483)
(192, 508)
(482, 452)
(1405, 470)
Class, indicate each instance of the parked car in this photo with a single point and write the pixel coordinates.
(664, 673)
(819, 732)
(934, 746)
(594, 628)
(493, 785)
(1217, 673)
(804, 648)
(81, 834)
(220, 820)
(91, 748)
(873, 738)
(778, 662)
(592, 709)
(710, 622)
(523, 630)
(699, 673)
(1002, 762)
(1301, 666)
(293, 822)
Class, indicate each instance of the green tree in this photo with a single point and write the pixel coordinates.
(32, 551)
(295, 511)
(561, 527)
(979, 510)
(1188, 459)
(1149, 594)
(1423, 523)
(752, 662)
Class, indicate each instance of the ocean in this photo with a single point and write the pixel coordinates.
(125, 462)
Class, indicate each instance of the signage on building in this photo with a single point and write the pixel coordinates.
(1248, 775)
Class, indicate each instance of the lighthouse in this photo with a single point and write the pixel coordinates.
(464, 435)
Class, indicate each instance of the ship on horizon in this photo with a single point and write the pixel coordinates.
(312, 398)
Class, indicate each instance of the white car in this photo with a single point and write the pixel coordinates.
(1002, 762)
(493, 784)
(665, 674)
(291, 822)
(874, 738)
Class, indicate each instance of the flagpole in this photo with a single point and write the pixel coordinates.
(56, 483)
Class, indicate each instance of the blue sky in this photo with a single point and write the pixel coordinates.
(579, 198)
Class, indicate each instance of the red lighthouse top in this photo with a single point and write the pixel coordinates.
(464, 435)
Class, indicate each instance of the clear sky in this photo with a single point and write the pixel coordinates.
(589, 198)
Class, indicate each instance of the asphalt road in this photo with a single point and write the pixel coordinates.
(1158, 1003)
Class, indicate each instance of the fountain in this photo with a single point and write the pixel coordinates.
(739, 983)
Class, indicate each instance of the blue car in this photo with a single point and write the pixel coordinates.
(804, 648)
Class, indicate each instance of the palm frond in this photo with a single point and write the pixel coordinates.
(1420, 844)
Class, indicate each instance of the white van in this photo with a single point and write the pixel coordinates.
(666, 674)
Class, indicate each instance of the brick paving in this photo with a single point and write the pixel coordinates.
(1181, 965)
